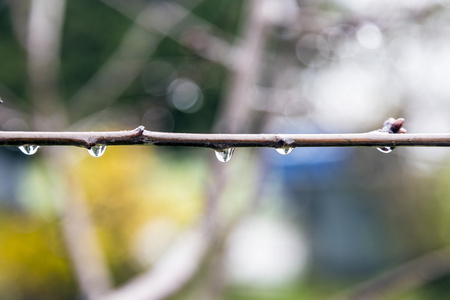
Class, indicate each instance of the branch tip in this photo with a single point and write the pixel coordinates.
(392, 125)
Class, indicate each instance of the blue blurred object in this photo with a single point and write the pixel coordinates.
(13, 163)
(343, 220)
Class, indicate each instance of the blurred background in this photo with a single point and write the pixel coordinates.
(144, 222)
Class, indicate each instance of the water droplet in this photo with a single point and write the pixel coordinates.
(225, 154)
(285, 151)
(29, 149)
(385, 149)
(97, 150)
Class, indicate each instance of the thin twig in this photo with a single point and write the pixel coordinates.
(406, 277)
(116, 74)
(184, 28)
(139, 136)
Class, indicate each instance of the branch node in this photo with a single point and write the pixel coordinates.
(283, 141)
(139, 130)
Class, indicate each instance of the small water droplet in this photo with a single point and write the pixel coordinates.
(224, 155)
(285, 151)
(97, 150)
(385, 149)
(29, 149)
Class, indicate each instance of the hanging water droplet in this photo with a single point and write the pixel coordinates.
(385, 149)
(285, 151)
(224, 155)
(97, 150)
(29, 149)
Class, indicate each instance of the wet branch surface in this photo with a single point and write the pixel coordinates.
(139, 136)
(392, 134)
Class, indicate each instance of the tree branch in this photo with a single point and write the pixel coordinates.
(139, 136)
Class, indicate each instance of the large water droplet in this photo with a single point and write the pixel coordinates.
(385, 149)
(285, 151)
(29, 149)
(224, 155)
(97, 150)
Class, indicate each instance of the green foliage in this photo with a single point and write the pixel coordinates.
(13, 63)
(91, 33)
(225, 14)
